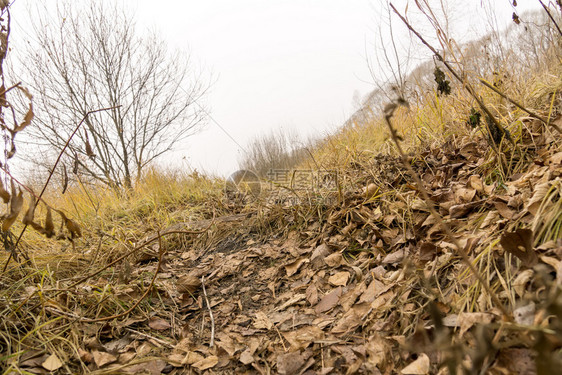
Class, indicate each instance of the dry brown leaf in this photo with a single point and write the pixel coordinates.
(302, 337)
(102, 358)
(520, 282)
(520, 244)
(246, 357)
(262, 321)
(419, 367)
(467, 320)
(293, 267)
(4, 194)
(475, 182)
(339, 279)
(312, 294)
(158, 324)
(290, 363)
(188, 284)
(52, 363)
(89, 150)
(26, 120)
(49, 225)
(541, 190)
(154, 367)
(334, 260)
(394, 257)
(16, 204)
(30, 213)
(329, 301)
(191, 358)
(207, 363)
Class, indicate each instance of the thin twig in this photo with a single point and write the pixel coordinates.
(552, 18)
(212, 343)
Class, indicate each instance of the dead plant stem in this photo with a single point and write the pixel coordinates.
(212, 343)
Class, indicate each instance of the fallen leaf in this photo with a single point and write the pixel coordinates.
(329, 301)
(52, 363)
(262, 321)
(419, 367)
(290, 363)
(339, 279)
(293, 267)
(188, 284)
(102, 358)
(246, 357)
(158, 324)
(467, 320)
(154, 367)
(520, 244)
(206, 363)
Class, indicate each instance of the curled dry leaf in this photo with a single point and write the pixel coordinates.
(26, 120)
(520, 244)
(4, 194)
(30, 213)
(419, 367)
(64, 179)
(72, 227)
(89, 150)
(188, 284)
(16, 204)
(49, 225)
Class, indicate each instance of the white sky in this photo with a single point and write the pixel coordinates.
(290, 64)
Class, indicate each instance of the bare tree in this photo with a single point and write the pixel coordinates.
(84, 59)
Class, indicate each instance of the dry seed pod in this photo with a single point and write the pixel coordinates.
(89, 150)
(26, 120)
(49, 225)
(4, 194)
(16, 203)
(30, 213)
(72, 227)
(76, 163)
(64, 179)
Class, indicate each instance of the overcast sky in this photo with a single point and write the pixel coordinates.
(290, 64)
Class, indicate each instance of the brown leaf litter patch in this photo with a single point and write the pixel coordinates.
(368, 285)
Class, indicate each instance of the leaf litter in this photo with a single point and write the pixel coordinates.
(362, 286)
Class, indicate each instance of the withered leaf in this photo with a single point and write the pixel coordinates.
(76, 163)
(49, 225)
(26, 120)
(72, 227)
(4, 194)
(329, 301)
(30, 213)
(16, 204)
(12, 151)
(89, 150)
(64, 179)
(158, 324)
(520, 244)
